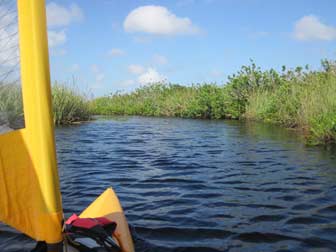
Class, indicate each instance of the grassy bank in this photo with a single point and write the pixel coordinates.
(299, 98)
(307, 101)
(69, 105)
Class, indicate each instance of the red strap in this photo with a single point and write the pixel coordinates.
(71, 219)
(87, 222)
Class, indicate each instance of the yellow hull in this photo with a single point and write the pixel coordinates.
(108, 205)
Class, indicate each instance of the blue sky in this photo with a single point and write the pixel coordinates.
(110, 45)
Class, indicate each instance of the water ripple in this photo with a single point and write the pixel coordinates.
(200, 186)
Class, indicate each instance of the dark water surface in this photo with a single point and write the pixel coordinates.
(192, 185)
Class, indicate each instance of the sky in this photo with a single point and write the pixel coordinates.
(104, 46)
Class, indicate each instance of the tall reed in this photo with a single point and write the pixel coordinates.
(69, 104)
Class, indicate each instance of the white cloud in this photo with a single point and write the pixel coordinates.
(311, 28)
(150, 76)
(136, 69)
(158, 20)
(160, 59)
(56, 38)
(144, 76)
(60, 16)
(115, 52)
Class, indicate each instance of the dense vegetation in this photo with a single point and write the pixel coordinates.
(305, 100)
(299, 98)
(69, 105)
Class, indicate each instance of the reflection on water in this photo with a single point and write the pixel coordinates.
(193, 185)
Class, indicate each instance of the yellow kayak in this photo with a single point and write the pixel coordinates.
(107, 205)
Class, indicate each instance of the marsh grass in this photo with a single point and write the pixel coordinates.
(307, 102)
(298, 98)
(69, 105)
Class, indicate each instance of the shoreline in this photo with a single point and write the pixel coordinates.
(301, 132)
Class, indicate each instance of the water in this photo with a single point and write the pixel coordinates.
(192, 185)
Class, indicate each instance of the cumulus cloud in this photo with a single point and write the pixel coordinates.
(115, 52)
(60, 16)
(311, 28)
(136, 69)
(56, 38)
(144, 76)
(160, 59)
(150, 76)
(158, 20)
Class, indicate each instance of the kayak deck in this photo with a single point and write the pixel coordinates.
(107, 205)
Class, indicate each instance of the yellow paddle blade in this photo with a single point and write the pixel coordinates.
(30, 199)
(108, 205)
